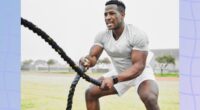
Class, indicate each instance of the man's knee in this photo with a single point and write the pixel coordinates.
(91, 93)
(149, 98)
(148, 92)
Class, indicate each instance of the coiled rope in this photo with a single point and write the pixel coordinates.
(59, 50)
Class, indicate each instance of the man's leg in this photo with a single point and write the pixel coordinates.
(92, 95)
(148, 92)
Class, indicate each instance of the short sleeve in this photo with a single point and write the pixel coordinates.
(139, 40)
(99, 39)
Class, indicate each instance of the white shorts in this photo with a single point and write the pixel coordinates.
(122, 87)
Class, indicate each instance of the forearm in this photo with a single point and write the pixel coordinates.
(132, 72)
(92, 60)
(94, 55)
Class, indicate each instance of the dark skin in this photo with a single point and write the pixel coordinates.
(147, 90)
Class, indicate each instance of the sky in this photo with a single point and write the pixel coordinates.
(73, 24)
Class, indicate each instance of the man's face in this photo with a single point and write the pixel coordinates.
(113, 17)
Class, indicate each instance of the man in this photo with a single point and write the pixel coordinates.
(127, 47)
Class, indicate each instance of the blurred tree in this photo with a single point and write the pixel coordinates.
(26, 64)
(164, 61)
(50, 62)
(104, 61)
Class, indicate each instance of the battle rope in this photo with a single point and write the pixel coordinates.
(63, 55)
(71, 92)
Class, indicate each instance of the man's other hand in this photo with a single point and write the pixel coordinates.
(107, 83)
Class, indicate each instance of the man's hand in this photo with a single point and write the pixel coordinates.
(85, 62)
(107, 83)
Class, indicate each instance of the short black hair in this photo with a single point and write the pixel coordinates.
(121, 6)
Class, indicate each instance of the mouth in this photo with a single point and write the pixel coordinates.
(109, 24)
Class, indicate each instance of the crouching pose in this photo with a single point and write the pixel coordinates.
(127, 47)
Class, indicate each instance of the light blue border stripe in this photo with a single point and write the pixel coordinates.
(10, 55)
(190, 54)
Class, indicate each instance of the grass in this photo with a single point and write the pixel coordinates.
(167, 75)
(175, 74)
(49, 92)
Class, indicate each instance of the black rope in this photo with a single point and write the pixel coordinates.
(63, 55)
(71, 92)
(60, 51)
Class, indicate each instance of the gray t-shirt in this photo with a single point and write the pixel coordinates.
(120, 50)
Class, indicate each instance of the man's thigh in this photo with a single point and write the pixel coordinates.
(148, 87)
(97, 91)
(120, 87)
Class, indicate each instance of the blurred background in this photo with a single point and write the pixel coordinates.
(73, 24)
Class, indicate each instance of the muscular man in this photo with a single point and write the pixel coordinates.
(127, 47)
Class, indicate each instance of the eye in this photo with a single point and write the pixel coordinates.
(105, 14)
(111, 13)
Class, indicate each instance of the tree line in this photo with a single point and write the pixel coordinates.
(163, 62)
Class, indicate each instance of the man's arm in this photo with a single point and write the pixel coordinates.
(138, 64)
(91, 59)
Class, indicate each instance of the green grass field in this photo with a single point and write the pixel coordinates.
(48, 91)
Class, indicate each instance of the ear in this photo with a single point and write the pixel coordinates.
(123, 14)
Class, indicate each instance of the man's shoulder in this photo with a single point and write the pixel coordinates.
(103, 33)
(102, 36)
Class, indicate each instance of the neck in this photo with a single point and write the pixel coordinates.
(117, 32)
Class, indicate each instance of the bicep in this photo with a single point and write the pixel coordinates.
(96, 51)
(139, 57)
